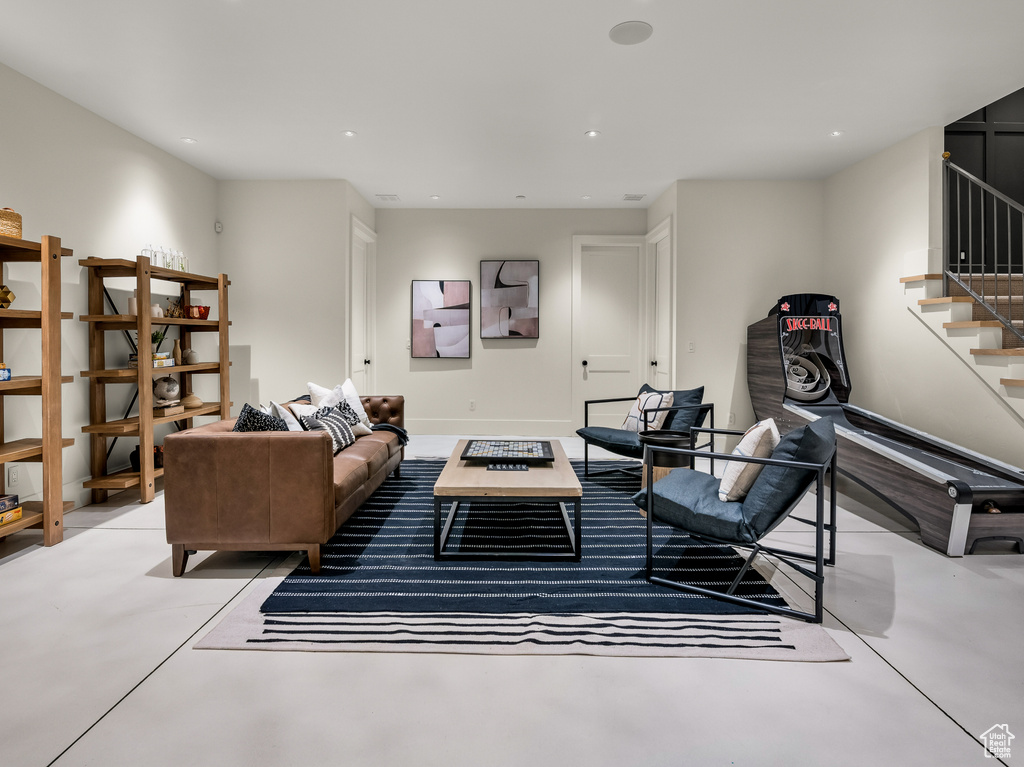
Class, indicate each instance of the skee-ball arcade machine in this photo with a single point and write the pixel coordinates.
(797, 373)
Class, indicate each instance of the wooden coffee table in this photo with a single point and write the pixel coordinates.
(467, 481)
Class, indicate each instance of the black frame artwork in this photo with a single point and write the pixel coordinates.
(441, 318)
(509, 298)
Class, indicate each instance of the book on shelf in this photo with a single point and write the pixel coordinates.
(156, 363)
(8, 502)
(11, 515)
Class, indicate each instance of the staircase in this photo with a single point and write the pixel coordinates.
(977, 304)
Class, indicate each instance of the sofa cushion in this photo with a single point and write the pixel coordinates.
(331, 420)
(688, 499)
(350, 472)
(777, 487)
(617, 441)
(373, 450)
(251, 419)
(689, 414)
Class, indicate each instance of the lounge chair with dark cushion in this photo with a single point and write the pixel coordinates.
(686, 412)
(688, 501)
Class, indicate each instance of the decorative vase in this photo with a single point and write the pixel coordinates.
(176, 352)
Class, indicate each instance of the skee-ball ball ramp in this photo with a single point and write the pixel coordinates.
(797, 373)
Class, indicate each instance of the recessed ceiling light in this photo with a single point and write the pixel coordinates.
(520, 196)
(348, 133)
(585, 197)
(592, 133)
(631, 32)
(435, 197)
(189, 140)
(835, 133)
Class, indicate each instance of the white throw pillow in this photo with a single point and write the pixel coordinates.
(655, 399)
(280, 411)
(320, 396)
(323, 397)
(760, 441)
(352, 397)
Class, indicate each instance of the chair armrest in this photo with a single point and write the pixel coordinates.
(589, 402)
(651, 449)
(705, 408)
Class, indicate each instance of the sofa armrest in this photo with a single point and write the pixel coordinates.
(385, 409)
(251, 487)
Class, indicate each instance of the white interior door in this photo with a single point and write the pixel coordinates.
(361, 307)
(607, 324)
(661, 371)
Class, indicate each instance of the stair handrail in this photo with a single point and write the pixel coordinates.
(948, 275)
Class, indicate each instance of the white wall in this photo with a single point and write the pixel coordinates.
(741, 245)
(883, 222)
(105, 193)
(520, 386)
(286, 246)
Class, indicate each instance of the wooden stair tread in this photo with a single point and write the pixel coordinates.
(946, 300)
(998, 352)
(973, 324)
(920, 278)
(1011, 381)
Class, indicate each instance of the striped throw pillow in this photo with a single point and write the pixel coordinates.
(331, 420)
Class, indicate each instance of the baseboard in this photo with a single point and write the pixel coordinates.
(508, 428)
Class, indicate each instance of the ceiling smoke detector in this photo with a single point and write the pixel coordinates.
(631, 32)
(633, 197)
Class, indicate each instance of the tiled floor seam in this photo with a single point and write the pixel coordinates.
(269, 566)
(889, 663)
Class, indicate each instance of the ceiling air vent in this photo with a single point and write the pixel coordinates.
(633, 197)
(387, 197)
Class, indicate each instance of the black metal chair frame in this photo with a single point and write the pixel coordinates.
(821, 526)
(705, 407)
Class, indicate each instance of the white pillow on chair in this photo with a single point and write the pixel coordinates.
(760, 441)
(635, 420)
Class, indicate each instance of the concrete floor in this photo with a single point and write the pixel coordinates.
(98, 669)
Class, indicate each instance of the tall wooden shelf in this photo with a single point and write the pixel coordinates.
(100, 376)
(48, 513)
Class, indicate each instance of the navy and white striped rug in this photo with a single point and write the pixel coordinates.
(381, 590)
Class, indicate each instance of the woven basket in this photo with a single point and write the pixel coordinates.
(10, 223)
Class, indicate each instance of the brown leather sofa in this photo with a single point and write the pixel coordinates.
(271, 490)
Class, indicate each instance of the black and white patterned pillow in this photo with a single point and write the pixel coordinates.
(251, 419)
(331, 420)
(350, 415)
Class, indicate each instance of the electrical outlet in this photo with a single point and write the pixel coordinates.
(693, 346)
(732, 419)
(472, 404)
(13, 477)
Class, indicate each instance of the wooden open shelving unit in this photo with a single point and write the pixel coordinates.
(48, 513)
(100, 376)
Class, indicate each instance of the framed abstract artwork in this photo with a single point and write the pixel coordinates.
(440, 318)
(510, 299)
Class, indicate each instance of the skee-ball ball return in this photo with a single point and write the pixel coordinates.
(797, 373)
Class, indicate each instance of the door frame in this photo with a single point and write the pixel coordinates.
(580, 242)
(363, 233)
(662, 231)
